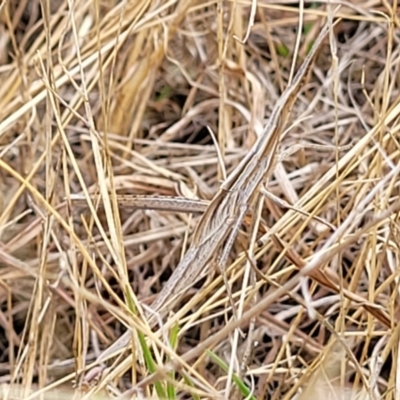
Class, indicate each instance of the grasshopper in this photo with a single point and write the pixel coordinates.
(219, 225)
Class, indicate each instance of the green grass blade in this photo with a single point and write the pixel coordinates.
(189, 382)
(243, 388)
(174, 344)
(151, 365)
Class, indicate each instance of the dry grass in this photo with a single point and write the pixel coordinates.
(117, 97)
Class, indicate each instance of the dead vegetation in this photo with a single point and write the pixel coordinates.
(165, 98)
